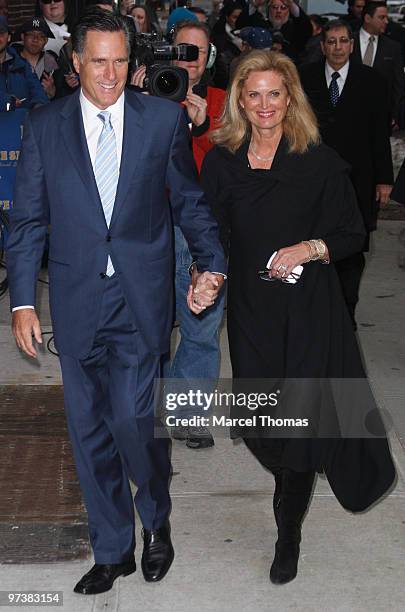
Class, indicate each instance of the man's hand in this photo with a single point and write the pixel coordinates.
(204, 290)
(48, 84)
(382, 194)
(138, 76)
(71, 79)
(25, 324)
(196, 108)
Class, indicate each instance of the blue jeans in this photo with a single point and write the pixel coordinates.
(198, 355)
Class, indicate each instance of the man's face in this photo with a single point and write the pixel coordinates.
(377, 24)
(196, 68)
(55, 11)
(103, 68)
(337, 47)
(279, 12)
(3, 8)
(4, 38)
(34, 42)
(357, 8)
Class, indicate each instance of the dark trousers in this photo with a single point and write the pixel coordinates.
(109, 405)
(350, 271)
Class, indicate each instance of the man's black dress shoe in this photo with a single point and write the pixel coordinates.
(158, 553)
(101, 577)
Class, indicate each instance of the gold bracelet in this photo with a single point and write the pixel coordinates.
(317, 249)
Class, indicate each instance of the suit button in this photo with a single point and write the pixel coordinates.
(103, 274)
(108, 238)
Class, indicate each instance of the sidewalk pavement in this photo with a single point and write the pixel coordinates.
(222, 522)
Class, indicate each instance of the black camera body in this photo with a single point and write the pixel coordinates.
(161, 78)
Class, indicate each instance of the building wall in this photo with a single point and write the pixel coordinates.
(19, 11)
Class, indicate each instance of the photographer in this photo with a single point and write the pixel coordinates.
(197, 356)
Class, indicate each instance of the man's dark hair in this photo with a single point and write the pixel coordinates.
(191, 25)
(334, 24)
(92, 3)
(371, 7)
(97, 20)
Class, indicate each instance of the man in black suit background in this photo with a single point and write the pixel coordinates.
(351, 105)
(374, 49)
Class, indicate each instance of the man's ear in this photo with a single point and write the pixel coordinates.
(76, 62)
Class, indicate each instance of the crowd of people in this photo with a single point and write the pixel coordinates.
(285, 128)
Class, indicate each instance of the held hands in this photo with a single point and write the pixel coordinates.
(204, 290)
(196, 108)
(25, 325)
(382, 194)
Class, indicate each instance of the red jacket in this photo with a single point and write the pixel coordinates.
(201, 144)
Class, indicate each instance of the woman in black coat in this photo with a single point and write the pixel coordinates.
(275, 189)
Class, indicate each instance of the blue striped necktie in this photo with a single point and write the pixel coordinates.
(334, 88)
(106, 171)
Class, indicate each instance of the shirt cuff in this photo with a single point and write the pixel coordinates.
(21, 307)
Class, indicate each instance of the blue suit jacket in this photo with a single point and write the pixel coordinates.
(55, 185)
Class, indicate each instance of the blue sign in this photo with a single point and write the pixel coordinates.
(11, 131)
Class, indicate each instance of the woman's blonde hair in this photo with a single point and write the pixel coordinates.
(299, 125)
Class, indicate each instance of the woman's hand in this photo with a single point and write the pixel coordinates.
(203, 290)
(288, 258)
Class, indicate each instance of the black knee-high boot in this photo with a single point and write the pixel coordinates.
(278, 478)
(289, 510)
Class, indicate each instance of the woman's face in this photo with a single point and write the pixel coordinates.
(265, 99)
(232, 18)
(139, 15)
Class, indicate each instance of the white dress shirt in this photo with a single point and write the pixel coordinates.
(93, 125)
(364, 37)
(341, 80)
(92, 128)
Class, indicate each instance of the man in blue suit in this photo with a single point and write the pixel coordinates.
(99, 168)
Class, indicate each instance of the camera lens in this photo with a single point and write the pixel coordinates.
(167, 83)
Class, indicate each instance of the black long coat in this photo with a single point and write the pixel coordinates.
(357, 128)
(300, 331)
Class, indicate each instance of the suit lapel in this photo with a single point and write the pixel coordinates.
(132, 144)
(74, 137)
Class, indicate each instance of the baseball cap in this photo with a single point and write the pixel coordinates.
(257, 38)
(3, 25)
(37, 24)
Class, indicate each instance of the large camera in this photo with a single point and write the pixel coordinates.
(161, 78)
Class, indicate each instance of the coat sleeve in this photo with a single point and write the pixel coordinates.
(380, 133)
(190, 208)
(29, 221)
(216, 196)
(398, 81)
(342, 227)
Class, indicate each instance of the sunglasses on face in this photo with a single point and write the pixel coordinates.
(51, 1)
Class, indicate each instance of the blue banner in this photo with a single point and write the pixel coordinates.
(11, 131)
